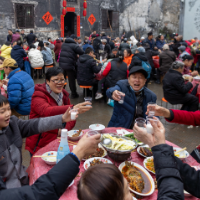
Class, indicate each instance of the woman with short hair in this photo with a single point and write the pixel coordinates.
(128, 56)
(51, 99)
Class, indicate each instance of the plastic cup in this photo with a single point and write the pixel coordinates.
(91, 133)
(88, 99)
(121, 101)
(73, 114)
(141, 122)
(152, 107)
(149, 127)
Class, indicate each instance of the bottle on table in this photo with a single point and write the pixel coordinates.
(63, 148)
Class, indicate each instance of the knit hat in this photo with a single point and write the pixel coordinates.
(9, 62)
(182, 48)
(41, 44)
(141, 49)
(165, 47)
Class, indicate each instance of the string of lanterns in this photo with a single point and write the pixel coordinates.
(85, 8)
(64, 10)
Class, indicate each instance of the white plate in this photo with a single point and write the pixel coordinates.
(97, 127)
(186, 194)
(87, 162)
(144, 163)
(138, 150)
(71, 184)
(72, 132)
(134, 198)
(184, 153)
(147, 174)
(50, 160)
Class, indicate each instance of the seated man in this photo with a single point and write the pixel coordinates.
(20, 88)
(176, 91)
(87, 68)
(136, 95)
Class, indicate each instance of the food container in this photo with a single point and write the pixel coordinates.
(97, 127)
(182, 155)
(72, 132)
(50, 160)
(120, 155)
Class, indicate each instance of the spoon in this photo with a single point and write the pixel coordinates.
(107, 142)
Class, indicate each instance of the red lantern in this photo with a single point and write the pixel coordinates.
(64, 11)
(64, 3)
(84, 4)
(84, 13)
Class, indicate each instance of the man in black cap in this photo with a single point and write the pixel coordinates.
(150, 41)
(136, 97)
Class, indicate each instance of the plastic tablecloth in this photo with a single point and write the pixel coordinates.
(38, 167)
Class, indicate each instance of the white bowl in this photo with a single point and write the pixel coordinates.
(87, 162)
(183, 154)
(50, 160)
(144, 163)
(72, 132)
(138, 150)
(97, 127)
(146, 173)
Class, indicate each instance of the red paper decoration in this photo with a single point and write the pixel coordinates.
(64, 11)
(85, 7)
(84, 13)
(64, 3)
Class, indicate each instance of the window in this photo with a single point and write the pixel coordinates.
(24, 15)
(110, 19)
(74, 1)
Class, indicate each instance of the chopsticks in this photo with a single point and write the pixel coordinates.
(44, 156)
(180, 150)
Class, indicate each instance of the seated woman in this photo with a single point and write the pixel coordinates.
(51, 99)
(115, 70)
(128, 56)
(170, 168)
(136, 96)
(188, 60)
(176, 91)
(12, 131)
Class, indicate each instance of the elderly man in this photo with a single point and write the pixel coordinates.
(137, 96)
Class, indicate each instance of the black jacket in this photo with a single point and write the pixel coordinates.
(137, 62)
(68, 55)
(166, 59)
(174, 86)
(124, 46)
(116, 73)
(30, 38)
(50, 186)
(107, 49)
(168, 175)
(96, 45)
(149, 54)
(9, 38)
(86, 68)
(112, 45)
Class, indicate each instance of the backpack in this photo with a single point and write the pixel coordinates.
(146, 66)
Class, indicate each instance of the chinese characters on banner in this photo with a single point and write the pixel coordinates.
(70, 9)
(197, 18)
(47, 18)
(78, 26)
(62, 26)
(92, 19)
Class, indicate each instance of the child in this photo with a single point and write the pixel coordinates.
(12, 131)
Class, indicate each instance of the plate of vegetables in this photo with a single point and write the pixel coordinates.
(149, 165)
(131, 135)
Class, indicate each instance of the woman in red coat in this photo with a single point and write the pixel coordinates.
(178, 116)
(57, 48)
(51, 99)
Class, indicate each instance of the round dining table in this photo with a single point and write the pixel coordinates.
(38, 167)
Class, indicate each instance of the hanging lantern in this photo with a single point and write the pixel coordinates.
(84, 13)
(84, 4)
(64, 11)
(64, 3)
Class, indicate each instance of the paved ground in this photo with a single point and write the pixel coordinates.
(101, 113)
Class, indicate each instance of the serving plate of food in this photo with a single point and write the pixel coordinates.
(131, 135)
(139, 179)
(186, 77)
(95, 161)
(97, 127)
(50, 157)
(145, 151)
(149, 164)
(181, 155)
(75, 135)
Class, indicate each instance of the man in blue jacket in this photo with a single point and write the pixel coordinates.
(18, 54)
(137, 96)
(20, 88)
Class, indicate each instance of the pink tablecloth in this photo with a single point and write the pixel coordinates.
(38, 167)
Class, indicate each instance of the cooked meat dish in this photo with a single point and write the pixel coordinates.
(99, 153)
(77, 134)
(95, 162)
(146, 151)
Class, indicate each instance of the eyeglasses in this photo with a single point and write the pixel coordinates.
(58, 81)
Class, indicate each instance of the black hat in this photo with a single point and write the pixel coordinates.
(94, 36)
(73, 36)
(138, 69)
(41, 44)
(184, 44)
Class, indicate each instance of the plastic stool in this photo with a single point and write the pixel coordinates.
(49, 66)
(37, 68)
(85, 88)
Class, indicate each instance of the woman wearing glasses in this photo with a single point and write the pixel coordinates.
(51, 99)
(176, 91)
